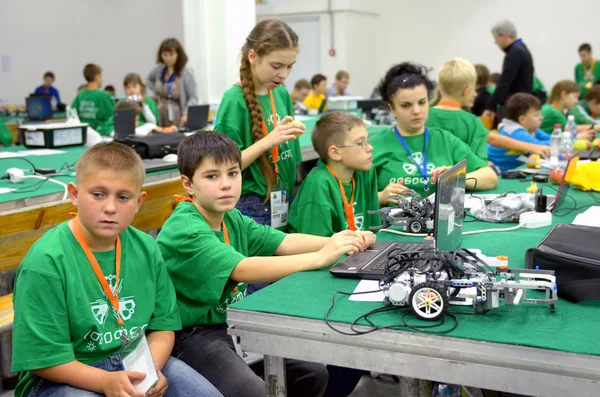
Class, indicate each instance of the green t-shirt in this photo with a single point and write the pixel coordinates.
(583, 114)
(233, 119)
(200, 263)
(552, 116)
(464, 125)
(393, 165)
(96, 107)
(581, 79)
(318, 208)
(6, 137)
(62, 313)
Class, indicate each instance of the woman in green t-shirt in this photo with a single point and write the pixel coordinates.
(257, 113)
(410, 156)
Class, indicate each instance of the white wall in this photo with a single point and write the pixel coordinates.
(120, 36)
(371, 36)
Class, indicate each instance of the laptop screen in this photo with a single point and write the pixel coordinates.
(449, 207)
(124, 121)
(563, 189)
(39, 107)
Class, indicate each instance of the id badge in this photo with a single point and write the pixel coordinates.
(280, 206)
(136, 356)
(171, 111)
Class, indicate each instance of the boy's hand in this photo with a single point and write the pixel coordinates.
(437, 172)
(119, 384)
(390, 190)
(160, 387)
(588, 134)
(346, 242)
(368, 238)
(286, 130)
(542, 150)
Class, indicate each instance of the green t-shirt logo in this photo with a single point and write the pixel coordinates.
(270, 120)
(410, 169)
(87, 110)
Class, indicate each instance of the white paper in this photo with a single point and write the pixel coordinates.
(5, 190)
(364, 286)
(8, 155)
(40, 152)
(140, 360)
(591, 217)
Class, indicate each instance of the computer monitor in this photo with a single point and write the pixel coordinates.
(368, 105)
(450, 207)
(39, 107)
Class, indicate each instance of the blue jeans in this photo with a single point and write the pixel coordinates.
(183, 382)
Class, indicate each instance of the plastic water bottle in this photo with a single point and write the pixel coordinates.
(555, 146)
(444, 390)
(571, 127)
(565, 149)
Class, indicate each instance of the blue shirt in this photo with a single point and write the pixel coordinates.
(506, 159)
(52, 91)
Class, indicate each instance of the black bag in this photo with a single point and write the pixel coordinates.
(573, 252)
(155, 145)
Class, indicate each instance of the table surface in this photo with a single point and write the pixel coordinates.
(573, 328)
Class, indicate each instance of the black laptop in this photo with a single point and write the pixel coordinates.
(449, 215)
(124, 124)
(197, 117)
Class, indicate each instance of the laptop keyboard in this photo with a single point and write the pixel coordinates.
(381, 262)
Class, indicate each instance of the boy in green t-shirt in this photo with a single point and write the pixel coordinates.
(94, 105)
(135, 91)
(588, 70)
(211, 251)
(6, 137)
(92, 281)
(564, 96)
(587, 111)
(457, 79)
(342, 183)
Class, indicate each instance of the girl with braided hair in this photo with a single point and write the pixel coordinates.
(257, 113)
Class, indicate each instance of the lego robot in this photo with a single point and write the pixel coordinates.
(430, 280)
(412, 214)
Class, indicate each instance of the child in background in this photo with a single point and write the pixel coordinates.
(135, 92)
(95, 106)
(564, 97)
(494, 79)
(342, 183)
(47, 87)
(257, 115)
(316, 100)
(587, 111)
(212, 251)
(457, 79)
(587, 71)
(340, 85)
(483, 78)
(92, 281)
(299, 94)
(522, 122)
(111, 91)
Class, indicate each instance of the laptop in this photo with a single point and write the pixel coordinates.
(153, 165)
(563, 189)
(39, 107)
(197, 117)
(447, 231)
(124, 120)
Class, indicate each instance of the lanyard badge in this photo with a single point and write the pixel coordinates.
(421, 167)
(348, 206)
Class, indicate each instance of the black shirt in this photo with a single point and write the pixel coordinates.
(481, 100)
(517, 75)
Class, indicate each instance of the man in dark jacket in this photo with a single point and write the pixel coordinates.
(517, 70)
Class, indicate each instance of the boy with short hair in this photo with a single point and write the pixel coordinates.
(316, 99)
(91, 281)
(340, 85)
(299, 94)
(47, 88)
(457, 79)
(338, 193)
(563, 98)
(522, 122)
(94, 105)
(587, 71)
(212, 252)
(587, 111)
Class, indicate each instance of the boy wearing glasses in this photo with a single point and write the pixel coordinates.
(338, 193)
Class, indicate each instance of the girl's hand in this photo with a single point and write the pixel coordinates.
(286, 130)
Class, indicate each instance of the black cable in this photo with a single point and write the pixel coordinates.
(24, 159)
(36, 186)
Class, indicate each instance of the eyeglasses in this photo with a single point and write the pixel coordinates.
(363, 145)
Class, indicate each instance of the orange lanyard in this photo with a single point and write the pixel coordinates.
(274, 150)
(225, 233)
(348, 206)
(114, 298)
(590, 70)
(450, 104)
(557, 106)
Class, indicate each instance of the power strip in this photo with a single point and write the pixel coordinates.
(534, 220)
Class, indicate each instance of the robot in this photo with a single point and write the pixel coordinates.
(412, 214)
(429, 281)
